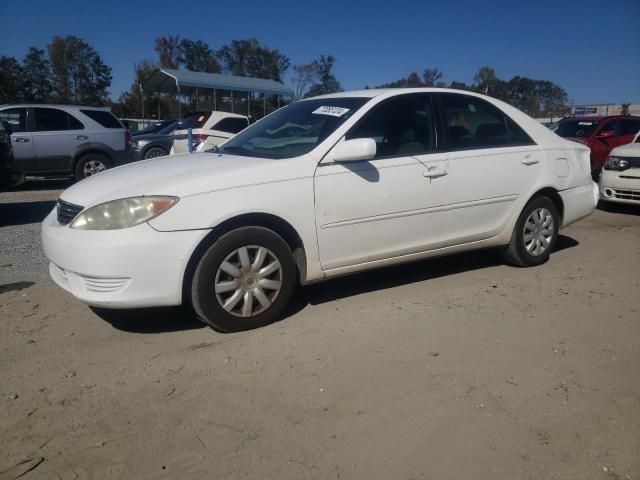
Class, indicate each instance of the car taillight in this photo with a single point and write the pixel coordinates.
(199, 138)
(127, 140)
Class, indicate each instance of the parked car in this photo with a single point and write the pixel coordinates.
(209, 130)
(66, 139)
(6, 155)
(320, 188)
(152, 145)
(620, 179)
(157, 127)
(600, 134)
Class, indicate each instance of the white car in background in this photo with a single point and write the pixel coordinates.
(324, 187)
(209, 129)
(620, 178)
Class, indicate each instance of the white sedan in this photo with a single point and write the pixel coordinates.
(620, 178)
(323, 187)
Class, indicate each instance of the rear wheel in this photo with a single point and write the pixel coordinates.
(244, 280)
(155, 152)
(91, 164)
(535, 234)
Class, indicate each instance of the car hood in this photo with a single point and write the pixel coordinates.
(181, 176)
(628, 150)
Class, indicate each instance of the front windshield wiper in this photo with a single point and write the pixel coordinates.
(235, 149)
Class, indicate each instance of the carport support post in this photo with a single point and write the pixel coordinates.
(179, 103)
(264, 104)
(215, 100)
(231, 101)
(248, 104)
(142, 102)
(197, 99)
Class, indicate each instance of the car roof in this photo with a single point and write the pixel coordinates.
(54, 105)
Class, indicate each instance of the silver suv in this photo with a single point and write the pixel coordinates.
(66, 139)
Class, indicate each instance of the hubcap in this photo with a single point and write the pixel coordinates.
(248, 281)
(93, 166)
(538, 231)
(155, 153)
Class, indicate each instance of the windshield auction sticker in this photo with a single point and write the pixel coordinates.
(333, 111)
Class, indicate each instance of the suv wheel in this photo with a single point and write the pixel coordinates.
(91, 164)
(535, 234)
(244, 280)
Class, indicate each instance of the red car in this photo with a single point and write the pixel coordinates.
(600, 134)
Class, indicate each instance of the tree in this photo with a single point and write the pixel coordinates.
(485, 80)
(197, 56)
(326, 82)
(303, 78)
(36, 67)
(79, 74)
(431, 76)
(11, 80)
(247, 58)
(169, 51)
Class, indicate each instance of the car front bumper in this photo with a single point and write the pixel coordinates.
(620, 187)
(128, 268)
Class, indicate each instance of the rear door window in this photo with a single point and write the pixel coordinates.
(103, 117)
(473, 123)
(231, 125)
(194, 120)
(54, 120)
(16, 117)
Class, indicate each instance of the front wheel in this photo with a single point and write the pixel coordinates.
(155, 152)
(244, 280)
(535, 234)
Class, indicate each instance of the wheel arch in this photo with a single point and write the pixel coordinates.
(90, 148)
(259, 219)
(554, 196)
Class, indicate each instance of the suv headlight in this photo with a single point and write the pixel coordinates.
(123, 213)
(616, 163)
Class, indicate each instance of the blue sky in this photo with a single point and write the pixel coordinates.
(588, 47)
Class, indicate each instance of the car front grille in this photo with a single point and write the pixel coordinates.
(626, 194)
(67, 211)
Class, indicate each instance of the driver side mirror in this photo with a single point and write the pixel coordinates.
(356, 149)
(606, 134)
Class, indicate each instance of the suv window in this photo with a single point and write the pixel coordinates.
(194, 120)
(231, 125)
(474, 123)
(52, 120)
(611, 125)
(16, 117)
(104, 118)
(629, 126)
(402, 125)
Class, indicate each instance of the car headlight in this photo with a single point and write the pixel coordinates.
(123, 213)
(616, 163)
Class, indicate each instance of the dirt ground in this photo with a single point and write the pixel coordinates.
(454, 368)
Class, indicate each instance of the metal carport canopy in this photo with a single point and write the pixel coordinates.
(167, 80)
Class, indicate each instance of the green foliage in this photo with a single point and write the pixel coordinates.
(37, 75)
(197, 56)
(12, 82)
(247, 58)
(326, 82)
(79, 74)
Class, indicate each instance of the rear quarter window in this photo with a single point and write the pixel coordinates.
(104, 118)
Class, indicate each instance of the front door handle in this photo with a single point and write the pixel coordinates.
(81, 137)
(435, 172)
(21, 140)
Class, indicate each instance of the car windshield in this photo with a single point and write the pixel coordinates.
(575, 128)
(293, 130)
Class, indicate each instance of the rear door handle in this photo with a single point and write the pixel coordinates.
(530, 161)
(81, 137)
(21, 140)
(435, 172)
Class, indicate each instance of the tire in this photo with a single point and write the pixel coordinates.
(527, 248)
(252, 299)
(155, 152)
(91, 164)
